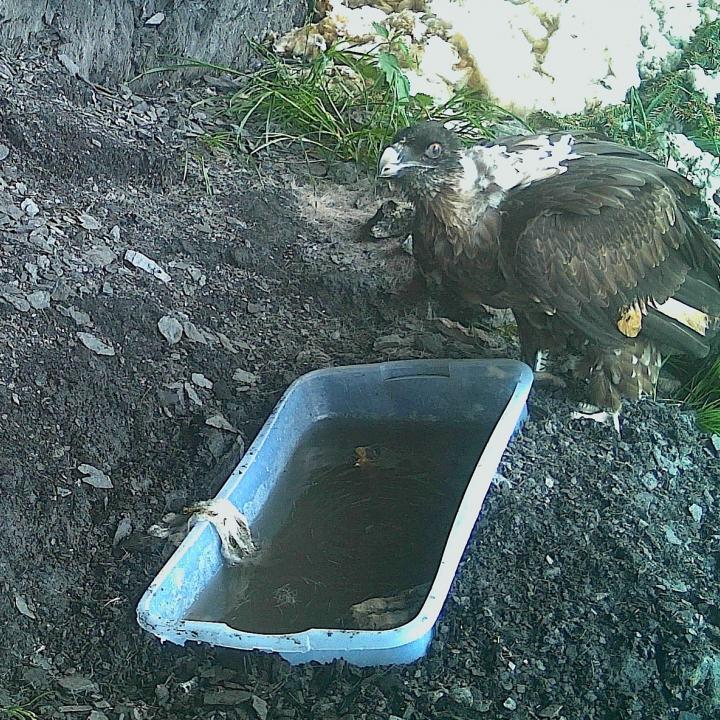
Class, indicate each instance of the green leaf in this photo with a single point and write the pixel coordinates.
(394, 76)
(402, 88)
(388, 63)
(402, 47)
(381, 30)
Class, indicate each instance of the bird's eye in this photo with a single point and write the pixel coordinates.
(434, 150)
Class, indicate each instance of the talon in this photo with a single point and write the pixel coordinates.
(547, 378)
(591, 412)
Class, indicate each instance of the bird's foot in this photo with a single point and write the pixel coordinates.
(591, 412)
(547, 378)
(541, 373)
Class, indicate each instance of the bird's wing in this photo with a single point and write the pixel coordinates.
(603, 246)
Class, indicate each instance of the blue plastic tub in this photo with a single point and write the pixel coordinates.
(492, 392)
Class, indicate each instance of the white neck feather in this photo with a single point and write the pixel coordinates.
(495, 170)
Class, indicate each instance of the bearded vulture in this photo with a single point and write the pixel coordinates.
(590, 243)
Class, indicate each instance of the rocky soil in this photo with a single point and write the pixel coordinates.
(155, 301)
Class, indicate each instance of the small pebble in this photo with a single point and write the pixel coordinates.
(39, 300)
(462, 696)
(29, 207)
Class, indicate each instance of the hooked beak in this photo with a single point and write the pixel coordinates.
(391, 162)
(394, 164)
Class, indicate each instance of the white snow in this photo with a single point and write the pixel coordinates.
(701, 168)
(704, 82)
(561, 56)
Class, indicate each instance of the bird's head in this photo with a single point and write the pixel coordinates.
(422, 157)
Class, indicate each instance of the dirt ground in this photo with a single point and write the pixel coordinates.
(589, 589)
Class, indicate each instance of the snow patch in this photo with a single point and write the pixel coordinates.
(701, 168)
(561, 56)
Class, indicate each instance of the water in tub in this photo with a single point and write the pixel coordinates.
(362, 511)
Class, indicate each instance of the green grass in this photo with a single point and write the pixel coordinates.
(17, 712)
(21, 711)
(702, 392)
(343, 104)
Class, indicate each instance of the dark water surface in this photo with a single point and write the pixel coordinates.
(363, 510)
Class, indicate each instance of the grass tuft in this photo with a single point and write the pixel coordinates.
(17, 712)
(21, 711)
(702, 393)
(342, 104)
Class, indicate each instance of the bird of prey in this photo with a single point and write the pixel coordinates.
(590, 243)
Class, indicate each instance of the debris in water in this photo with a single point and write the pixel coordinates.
(231, 526)
(394, 518)
(361, 456)
(389, 612)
